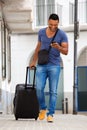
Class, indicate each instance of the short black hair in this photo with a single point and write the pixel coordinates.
(54, 17)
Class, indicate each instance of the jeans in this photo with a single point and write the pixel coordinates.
(52, 73)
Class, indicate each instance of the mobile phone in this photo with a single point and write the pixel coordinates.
(54, 42)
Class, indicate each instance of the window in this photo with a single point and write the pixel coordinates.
(44, 8)
(3, 49)
(71, 13)
(9, 58)
(82, 12)
(5, 52)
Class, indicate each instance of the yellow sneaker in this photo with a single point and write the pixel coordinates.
(42, 114)
(50, 118)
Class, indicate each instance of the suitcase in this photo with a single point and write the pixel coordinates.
(25, 100)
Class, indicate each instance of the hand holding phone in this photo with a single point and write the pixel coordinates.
(54, 44)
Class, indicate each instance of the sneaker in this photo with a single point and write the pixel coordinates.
(42, 114)
(50, 118)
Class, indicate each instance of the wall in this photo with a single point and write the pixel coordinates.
(0, 67)
(22, 47)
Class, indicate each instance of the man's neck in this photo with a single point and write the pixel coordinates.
(50, 33)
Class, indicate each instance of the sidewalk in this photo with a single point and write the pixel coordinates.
(61, 122)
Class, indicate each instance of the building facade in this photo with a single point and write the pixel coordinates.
(16, 51)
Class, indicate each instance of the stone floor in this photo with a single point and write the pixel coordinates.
(61, 122)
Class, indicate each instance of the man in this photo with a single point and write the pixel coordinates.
(51, 70)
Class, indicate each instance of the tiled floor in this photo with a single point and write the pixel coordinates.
(61, 122)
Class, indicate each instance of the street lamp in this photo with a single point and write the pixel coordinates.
(76, 34)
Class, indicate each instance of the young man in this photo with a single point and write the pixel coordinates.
(51, 70)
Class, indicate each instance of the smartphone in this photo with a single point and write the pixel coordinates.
(54, 42)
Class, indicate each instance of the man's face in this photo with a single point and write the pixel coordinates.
(53, 25)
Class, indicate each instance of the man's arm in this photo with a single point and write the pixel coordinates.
(35, 56)
(63, 48)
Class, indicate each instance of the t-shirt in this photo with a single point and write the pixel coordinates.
(54, 54)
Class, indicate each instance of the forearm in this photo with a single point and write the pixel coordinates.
(63, 50)
(35, 56)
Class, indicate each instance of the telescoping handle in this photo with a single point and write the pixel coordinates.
(28, 70)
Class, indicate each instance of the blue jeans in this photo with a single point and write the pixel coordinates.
(52, 73)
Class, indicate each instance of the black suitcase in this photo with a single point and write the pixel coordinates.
(25, 100)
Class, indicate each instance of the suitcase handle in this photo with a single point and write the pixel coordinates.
(28, 68)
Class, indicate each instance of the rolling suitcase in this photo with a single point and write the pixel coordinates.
(25, 100)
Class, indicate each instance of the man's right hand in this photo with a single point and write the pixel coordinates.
(32, 64)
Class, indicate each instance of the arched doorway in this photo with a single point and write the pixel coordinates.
(82, 80)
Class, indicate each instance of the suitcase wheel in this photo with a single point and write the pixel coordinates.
(36, 118)
(16, 118)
